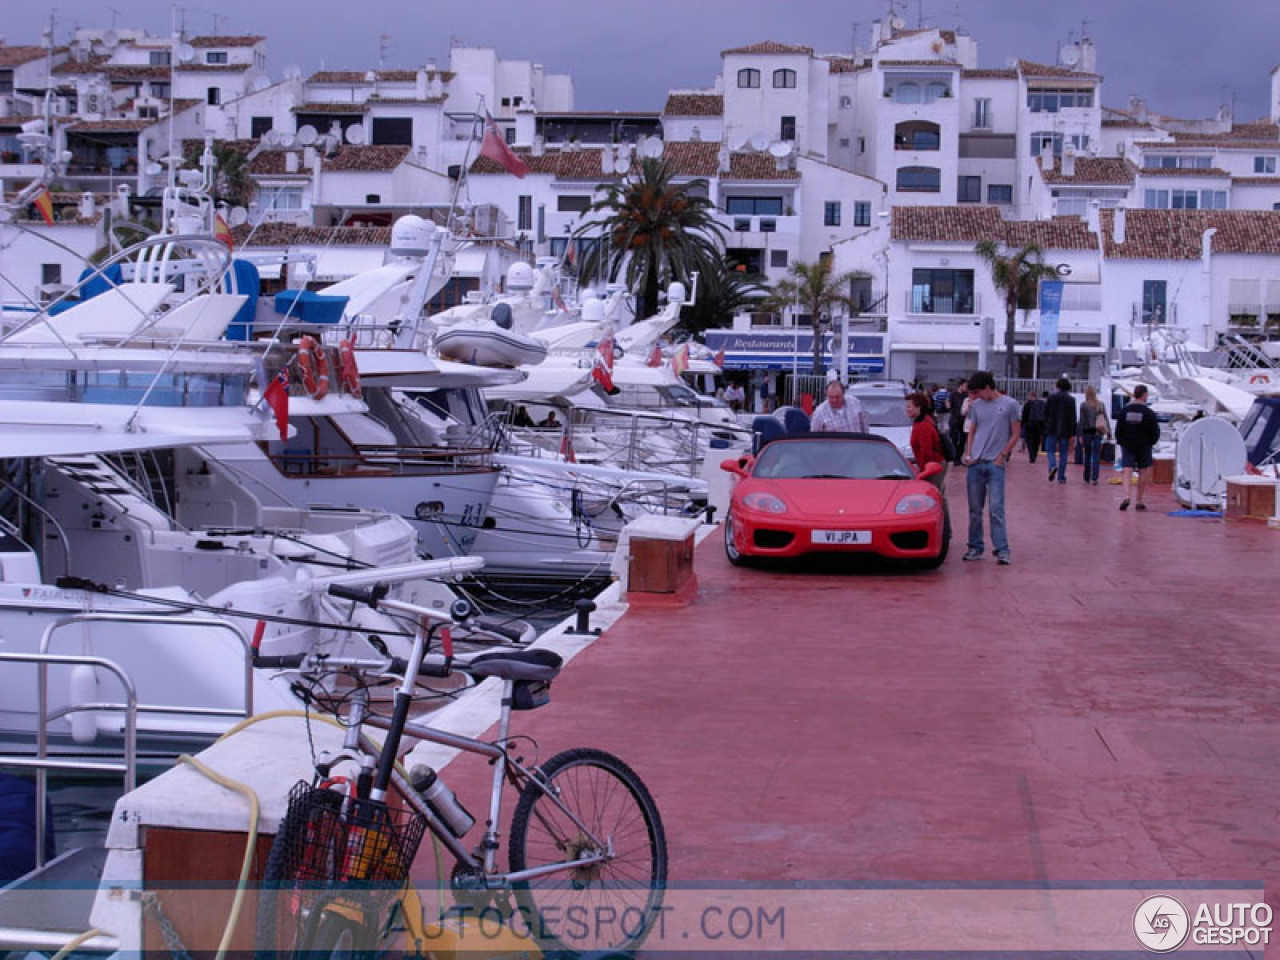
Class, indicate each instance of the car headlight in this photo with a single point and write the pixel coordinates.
(915, 503)
(766, 502)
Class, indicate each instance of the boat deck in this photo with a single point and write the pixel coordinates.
(1104, 710)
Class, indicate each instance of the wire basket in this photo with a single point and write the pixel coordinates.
(367, 846)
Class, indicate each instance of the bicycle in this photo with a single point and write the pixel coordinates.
(587, 861)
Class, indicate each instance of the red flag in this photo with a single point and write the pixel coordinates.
(719, 357)
(277, 397)
(571, 255)
(496, 149)
(44, 206)
(680, 362)
(566, 446)
(222, 232)
(602, 368)
(558, 300)
(655, 356)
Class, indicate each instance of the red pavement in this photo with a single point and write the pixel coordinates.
(1106, 709)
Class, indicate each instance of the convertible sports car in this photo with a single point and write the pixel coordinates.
(834, 492)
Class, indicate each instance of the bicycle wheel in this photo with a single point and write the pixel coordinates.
(608, 905)
(334, 936)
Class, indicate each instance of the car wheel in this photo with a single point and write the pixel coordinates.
(732, 552)
(933, 563)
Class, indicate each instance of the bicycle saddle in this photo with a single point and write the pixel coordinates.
(517, 665)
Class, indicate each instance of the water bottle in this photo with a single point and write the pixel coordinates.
(441, 799)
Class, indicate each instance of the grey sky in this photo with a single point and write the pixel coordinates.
(1187, 57)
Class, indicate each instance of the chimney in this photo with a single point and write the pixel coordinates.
(606, 161)
(291, 162)
(725, 159)
(1138, 108)
(420, 85)
(526, 125)
(87, 206)
(1069, 161)
(539, 146)
(1088, 57)
(1118, 225)
(1093, 218)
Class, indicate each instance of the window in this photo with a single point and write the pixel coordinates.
(160, 58)
(391, 131)
(1190, 162)
(784, 79)
(148, 113)
(1156, 199)
(572, 202)
(969, 190)
(742, 225)
(161, 91)
(524, 216)
(941, 291)
(844, 143)
(768, 226)
(862, 214)
(285, 198)
(1264, 164)
(831, 213)
(1184, 199)
(982, 113)
(846, 103)
(917, 135)
(778, 259)
(753, 206)
(1153, 301)
(906, 92)
(919, 179)
(216, 56)
(506, 101)
(748, 78)
(259, 125)
(788, 129)
(510, 135)
(999, 193)
(51, 273)
(372, 198)
(1050, 100)
(936, 91)
(213, 96)
(862, 144)
(1048, 142)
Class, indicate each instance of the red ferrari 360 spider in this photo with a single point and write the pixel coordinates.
(833, 492)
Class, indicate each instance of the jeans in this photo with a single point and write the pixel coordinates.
(1092, 443)
(1059, 447)
(1032, 435)
(986, 480)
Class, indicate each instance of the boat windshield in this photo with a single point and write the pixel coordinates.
(884, 410)
(836, 459)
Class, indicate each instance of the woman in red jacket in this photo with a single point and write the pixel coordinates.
(926, 445)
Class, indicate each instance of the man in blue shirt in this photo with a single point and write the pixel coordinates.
(996, 425)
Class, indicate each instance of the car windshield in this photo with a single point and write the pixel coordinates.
(885, 410)
(831, 459)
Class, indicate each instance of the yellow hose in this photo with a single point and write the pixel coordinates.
(75, 942)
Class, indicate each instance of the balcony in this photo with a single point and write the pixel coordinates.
(941, 306)
(1145, 315)
(1253, 318)
(741, 229)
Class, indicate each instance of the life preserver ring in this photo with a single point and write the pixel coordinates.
(314, 366)
(1259, 378)
(347, 367)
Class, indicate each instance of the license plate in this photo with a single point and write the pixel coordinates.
(841, 536)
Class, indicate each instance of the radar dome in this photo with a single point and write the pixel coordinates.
(411, 236)
(593, 311)
(520, 277)
(676, 293)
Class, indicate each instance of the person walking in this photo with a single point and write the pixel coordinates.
(996, 426)
(838, 412)
(1033, 424)
(1095, 427)
(1137, 431)
(955, 425)
(926, 442)
(1059, 429)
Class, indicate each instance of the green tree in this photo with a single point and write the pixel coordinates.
(813, 288)
(231, 180)
(1017, 278)
(723, 292)
(652, 231)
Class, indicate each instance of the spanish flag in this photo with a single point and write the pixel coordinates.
(222, 232)
(44, 204)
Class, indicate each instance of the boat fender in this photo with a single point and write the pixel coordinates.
(347, 368)
(501, 316)
(314, 366)
(83, 688)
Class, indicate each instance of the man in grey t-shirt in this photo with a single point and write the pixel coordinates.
(996, 426)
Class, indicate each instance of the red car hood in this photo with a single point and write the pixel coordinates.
(834, 498)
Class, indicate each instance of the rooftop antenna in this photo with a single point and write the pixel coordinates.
(114, 13)
(217, 18)
(919, 14)
(384, 44)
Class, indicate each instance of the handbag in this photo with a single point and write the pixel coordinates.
(1101, 424)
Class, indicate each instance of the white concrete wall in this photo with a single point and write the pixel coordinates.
(750, 111)
(31, 249)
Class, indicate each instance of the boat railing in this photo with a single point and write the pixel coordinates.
(384, 460)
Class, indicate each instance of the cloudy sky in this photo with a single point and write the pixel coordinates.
(1187, 57)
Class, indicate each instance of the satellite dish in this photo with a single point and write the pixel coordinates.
(111, 39)
(261, 83)
(780, 149)
(270, 138)
(1209, 451)
(621, 163)
(355, 135)
(292, 72)
(1070, 55)
(307, 135)
(286, 140)
(759, 142)
(651, 147)
(897, 23)
(186, 53)
(237, 216)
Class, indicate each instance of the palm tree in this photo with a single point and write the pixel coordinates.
(814, 289)
(723, 292)
(655, 230)
(1018, 277)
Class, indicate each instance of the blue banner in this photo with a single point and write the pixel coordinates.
(787, 349)
(1050, 309)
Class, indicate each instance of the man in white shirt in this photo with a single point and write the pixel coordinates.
(839, 413)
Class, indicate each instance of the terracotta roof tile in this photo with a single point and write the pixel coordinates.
(212, 67)
(17, 56)
(757, 166)
(349, 77)
(1153, 172)
(121, 125)
(325, 106)
(288, 234)
(690, 159)
(769, 46)
(1240, 134)
(211, 41)
(1271, 181)
(112, 71)
(845, 65)
(694, 105)
(685, 158)
(1176, 234)
(1029, 68)
(969, 224)
(920, 63)
(1104, 170)
(375, 159)
(1002, 74)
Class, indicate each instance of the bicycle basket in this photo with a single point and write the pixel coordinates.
(368, 846)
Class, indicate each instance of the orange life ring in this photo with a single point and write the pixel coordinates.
(314, 366)
(1259, 378)
(347, 364)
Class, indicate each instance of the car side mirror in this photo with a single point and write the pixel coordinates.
(930, 469)
(736, 465)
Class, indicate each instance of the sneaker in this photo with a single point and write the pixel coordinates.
(1053, 472)
(1003, 559)
(973, 555)
(1139, 505)
(1124, 505)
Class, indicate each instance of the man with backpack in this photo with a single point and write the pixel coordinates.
(1137, 431)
